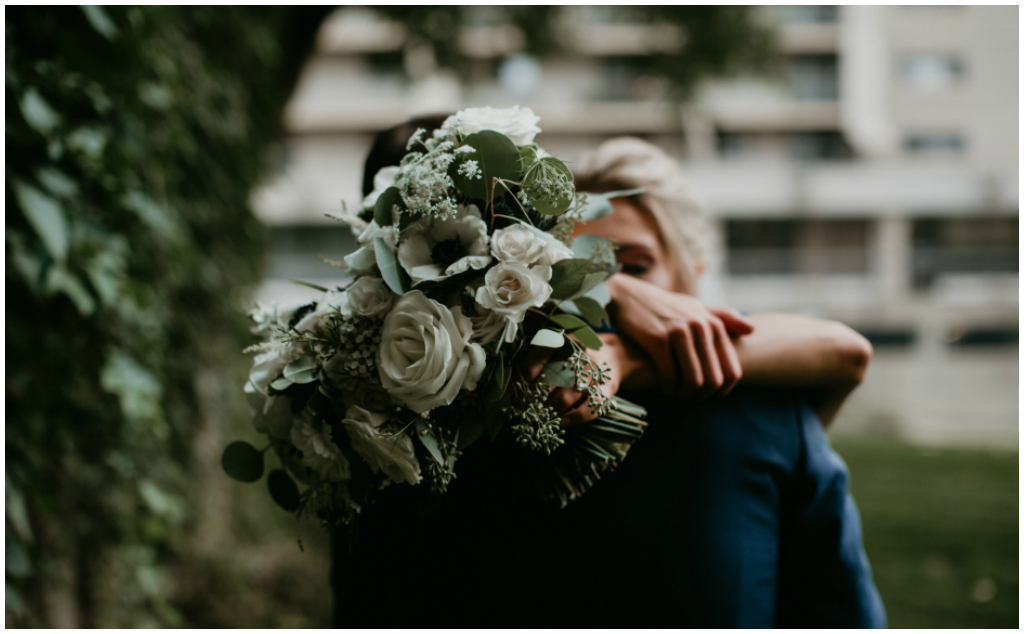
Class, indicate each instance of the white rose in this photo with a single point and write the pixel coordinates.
(435, 249)
(382, 452)
(510, 288)
(554, 253)
(516, 244)
(319, 452)
(518, 124)
(489, 325)
(384, 178)
(369, 297)
(425, 355)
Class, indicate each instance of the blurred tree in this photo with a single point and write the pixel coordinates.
(134, 137)
(714, 40)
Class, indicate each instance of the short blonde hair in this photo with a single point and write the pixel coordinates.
(628, 162)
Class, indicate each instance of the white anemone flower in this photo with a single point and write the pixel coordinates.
(436, 249)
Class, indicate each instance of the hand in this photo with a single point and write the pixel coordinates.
(689, 343)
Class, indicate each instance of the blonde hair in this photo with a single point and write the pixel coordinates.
(628, 162)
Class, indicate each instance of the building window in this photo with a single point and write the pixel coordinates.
(810, 13)
(814, 77)
(963, 245)
(795, 146)
(931, 71)
(293, 251)
(934, 144)
(797, 247)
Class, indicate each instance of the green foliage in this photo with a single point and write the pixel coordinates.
(135, 135)
(716, 40)
(242, 461)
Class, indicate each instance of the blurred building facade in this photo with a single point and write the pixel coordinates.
(874, 181)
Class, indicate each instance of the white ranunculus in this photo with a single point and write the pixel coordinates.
(425, 355)
(435, 249)
(517, 243)
(369, 297)
(394, 456)
(510, 288)
(319, 452)
(518, 124)
(384, 178)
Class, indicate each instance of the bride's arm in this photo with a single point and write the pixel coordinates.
(826, 358)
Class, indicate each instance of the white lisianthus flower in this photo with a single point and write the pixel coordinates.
(319, 452)
(332, 302)
(518, 124)
(369, 297)
(384, 178)
(425, 355)
(392, 455)
(510, 288)
(270, 414)
(517, 243)
(436, 249)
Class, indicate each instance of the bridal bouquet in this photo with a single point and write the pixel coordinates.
(466, 264)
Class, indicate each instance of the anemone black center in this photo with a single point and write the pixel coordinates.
(447, 252)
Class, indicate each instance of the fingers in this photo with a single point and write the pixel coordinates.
(732, 372)
(691, 372)
(734, 322)
(704, 340)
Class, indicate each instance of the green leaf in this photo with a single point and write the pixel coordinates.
(281, 384)
(57, 182)
(567, 276)
(548, 169)
(584, 245)
(499, 380)
(548, 339)
(60, 280)
(12, 600)
(429, 441)
(599, 294)
(242, 461)
(46, 217)
(591, 281)
(387, 261)
(567, 321)
(497, 417)
(18, 564)
(283, 490)
(588, 338)
(497, 157)
(100, 21)
(470, 430)
(38, 114)
(301, 370)
(383, 210)
(559, 374)
(593, 312)
(599, 205)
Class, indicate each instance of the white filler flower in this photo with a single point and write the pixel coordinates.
(392, 455)
(436, 249)
(319, 453)
(425, 355)
(518, 124)
(510, 288)
(369, 297)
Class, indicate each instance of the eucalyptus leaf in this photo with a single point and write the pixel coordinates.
(301, 370)
(567, 321)
(567, 276)
(281, 384)
(545, 173)
(46, 217)
(591, 311)
(548, 339)
(387, 261)
(589, 282)
(383, 210)
(429, 441)
(559, 374)
(242, 461)
(584, 245)
(283, 490)
(588, 338)
(496, 156)
(599, 294)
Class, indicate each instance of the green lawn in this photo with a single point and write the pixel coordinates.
(941, 529)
